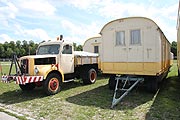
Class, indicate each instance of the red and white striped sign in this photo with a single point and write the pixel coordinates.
(28, 79)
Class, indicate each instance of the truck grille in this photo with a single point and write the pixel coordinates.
(45, 61)
(24, 66)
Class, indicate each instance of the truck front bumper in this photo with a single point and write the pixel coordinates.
(22, 79)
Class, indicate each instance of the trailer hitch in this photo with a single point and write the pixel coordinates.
(125, 91)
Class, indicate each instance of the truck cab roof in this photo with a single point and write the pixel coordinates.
(56, 42)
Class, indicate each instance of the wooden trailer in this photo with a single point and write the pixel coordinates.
(136, 49)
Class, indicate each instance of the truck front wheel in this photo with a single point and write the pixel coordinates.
(52, 84)
(89, 76)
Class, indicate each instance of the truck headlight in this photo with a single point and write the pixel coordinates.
(36, 71)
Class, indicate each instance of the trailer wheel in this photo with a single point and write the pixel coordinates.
(89, 76)
(52, 84)
(112, 82)
(27, 87)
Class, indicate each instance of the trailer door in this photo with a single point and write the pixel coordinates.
(120, 52)
(135, 50)
(120, 49)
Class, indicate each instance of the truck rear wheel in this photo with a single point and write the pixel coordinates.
(27, 87)
(52, 84)
(89, 76)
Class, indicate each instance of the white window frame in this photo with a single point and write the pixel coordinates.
(135, 40)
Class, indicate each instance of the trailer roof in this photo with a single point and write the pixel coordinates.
(133, 18)
(91, 38)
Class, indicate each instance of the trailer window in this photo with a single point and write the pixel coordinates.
(135, 37)
(67, 49)
(96, 49)
(120, 38)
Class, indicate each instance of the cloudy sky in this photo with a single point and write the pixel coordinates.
(78, 20)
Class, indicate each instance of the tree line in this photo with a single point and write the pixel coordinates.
(29, 48)
(23, 48)
(20, 48)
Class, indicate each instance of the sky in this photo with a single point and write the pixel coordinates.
(78, 20)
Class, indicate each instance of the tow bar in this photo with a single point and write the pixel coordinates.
(125, 80)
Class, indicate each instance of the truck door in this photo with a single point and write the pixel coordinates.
(67, 59)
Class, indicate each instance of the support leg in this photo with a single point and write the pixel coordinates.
(117, 100)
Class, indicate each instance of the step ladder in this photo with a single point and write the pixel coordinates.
(126, 80)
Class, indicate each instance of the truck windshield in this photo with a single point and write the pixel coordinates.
(48, 49)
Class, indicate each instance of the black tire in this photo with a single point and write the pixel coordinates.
(112, 82)
(89, 76)
(78, 77)
(52, 84)
(152, 84)
(27, 87)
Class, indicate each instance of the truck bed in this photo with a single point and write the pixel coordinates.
(82, 57)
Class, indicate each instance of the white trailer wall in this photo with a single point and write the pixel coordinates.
(144, 53)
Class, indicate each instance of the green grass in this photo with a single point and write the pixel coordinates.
(80, 102)
(5, 68)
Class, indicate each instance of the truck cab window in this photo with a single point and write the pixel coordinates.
(67, 49)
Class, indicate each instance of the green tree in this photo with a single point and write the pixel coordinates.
(74, 44)
(25, 46)
(174, 48)
(12, 45)
(2, 55)
(9, 52)
(18, 44)
(79, 48)
(23, 52)
(32, 47)
(6, 45)
(18, 48)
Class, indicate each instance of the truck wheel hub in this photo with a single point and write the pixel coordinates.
(92, 76)
(54, 83)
